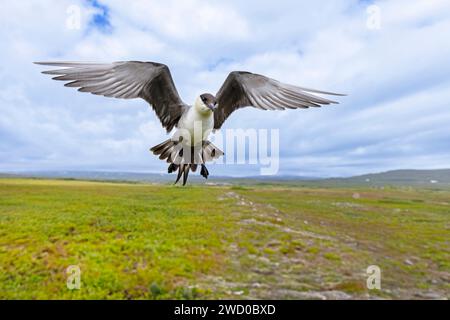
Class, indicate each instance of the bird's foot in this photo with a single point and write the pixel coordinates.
(204, 172)
(172, 168)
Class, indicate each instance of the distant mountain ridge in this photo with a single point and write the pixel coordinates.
(401, 177)
(437, 177)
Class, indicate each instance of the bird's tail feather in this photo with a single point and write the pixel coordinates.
(185, 158)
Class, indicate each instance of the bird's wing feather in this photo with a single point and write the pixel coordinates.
(127, 80)
(243, 89)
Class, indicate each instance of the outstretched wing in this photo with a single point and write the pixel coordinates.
(243, 89)
(126, 79)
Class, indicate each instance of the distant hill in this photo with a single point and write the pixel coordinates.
(94, 175)
(439, 177)
(432, 178)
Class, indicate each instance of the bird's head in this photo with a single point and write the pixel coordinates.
(205, 103)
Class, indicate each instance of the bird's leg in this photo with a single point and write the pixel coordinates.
(204, 172)
(172, 168)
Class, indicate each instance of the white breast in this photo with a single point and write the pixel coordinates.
(196, 124)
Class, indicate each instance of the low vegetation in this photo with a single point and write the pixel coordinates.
(141, 241)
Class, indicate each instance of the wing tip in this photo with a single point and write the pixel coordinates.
(339, 95)
(48, 63)
(328, 101)
(68, 63)
(325, 92)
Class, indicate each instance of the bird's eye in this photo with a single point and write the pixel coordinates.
(203, 99)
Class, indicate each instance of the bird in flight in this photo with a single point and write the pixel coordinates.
(189, 147)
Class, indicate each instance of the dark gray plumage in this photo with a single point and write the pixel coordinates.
(244, 89)
(127, 80)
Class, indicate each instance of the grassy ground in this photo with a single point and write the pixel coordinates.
(134, 241)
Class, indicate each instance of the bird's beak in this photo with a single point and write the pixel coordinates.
(211, 106)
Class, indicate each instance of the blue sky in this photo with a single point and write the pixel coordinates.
(396, 74)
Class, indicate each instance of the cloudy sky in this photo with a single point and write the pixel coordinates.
(391, 57)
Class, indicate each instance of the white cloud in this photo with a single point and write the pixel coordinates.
(185, 21)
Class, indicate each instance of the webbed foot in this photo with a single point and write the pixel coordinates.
(172, 168)
(204, 172)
